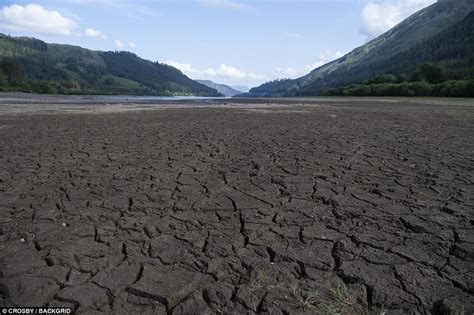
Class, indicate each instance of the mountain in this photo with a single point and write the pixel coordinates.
(31, 65)
(242, 88)
(221, 88)
(388, 53)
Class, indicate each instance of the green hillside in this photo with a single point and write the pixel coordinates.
(31, 65)
(449, 73)
(440, 33)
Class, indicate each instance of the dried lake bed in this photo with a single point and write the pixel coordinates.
(280, 206)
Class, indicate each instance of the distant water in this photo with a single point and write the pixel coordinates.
(129, 98)
(43, 98)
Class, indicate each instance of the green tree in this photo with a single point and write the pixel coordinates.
(432, 73)
(3, 80)
(383, 78)
(422, 88)
(12, 69)
(416, 76)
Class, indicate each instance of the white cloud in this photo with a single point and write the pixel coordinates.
(324, 58)
(90, 32)
(184, 67)
(378, 18)
(223, 71)
(225, 4)
(232, 72)
(119, 44)
(34, 18)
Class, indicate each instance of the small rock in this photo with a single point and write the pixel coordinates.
(22, 240)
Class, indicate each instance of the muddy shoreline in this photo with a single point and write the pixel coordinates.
(238, 206)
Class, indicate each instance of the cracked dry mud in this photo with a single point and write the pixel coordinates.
(230, 210)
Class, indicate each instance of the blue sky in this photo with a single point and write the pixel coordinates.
(228, 41)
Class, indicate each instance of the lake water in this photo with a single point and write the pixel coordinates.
(125, 98)
(64, 99)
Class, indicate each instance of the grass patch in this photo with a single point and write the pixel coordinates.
(304, 299)
(340, 301)
(260, 279)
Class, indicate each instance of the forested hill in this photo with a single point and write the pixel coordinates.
(31, 65)
(449, 73)
(440, 34)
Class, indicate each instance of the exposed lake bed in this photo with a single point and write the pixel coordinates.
(237, 205)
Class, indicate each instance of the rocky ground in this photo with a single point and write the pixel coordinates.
(324, 207)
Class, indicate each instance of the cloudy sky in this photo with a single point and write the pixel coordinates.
(227, 41)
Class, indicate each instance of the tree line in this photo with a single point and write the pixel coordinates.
(428, 80)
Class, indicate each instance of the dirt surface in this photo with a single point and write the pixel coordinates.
(332, 207)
